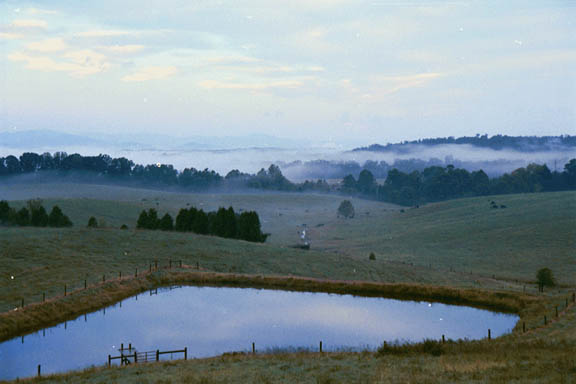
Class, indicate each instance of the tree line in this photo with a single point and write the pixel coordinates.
(444, 183)
(34, 215)
(223, 223)
(497, 142)
(103, 168)
(433, 183)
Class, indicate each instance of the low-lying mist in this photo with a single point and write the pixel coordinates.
(314, 163)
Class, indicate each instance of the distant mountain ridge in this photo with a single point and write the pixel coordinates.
(43, 138)
(497, 142)
(34, 139)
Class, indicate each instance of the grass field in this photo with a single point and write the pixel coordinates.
(460, 243)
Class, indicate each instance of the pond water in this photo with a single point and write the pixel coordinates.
(210, 321)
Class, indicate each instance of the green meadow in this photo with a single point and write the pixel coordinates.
(462, 243)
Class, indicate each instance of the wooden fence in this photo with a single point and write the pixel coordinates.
(143, 357)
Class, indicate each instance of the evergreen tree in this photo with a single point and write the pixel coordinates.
(38, 217)
(23, 217)
(4, 212)
(58, 219)
(218, 227)
(166, 223)
(200, 225)
(182, 220)
(153, 220)
(142, 222)
(249, 227)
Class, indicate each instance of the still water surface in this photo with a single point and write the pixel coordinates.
(210, 321)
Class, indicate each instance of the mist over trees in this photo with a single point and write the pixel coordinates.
(434, 183)
(443, 183)
(497, 142)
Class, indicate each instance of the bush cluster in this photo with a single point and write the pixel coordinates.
(33, 215)
(223, 223)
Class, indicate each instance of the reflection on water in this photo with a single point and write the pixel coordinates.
(210, 321)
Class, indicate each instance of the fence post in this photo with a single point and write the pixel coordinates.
(156, 264)
(85, 285)
(489, 334)
(253, 348)
(170, 265)
(574, 297)
(120, 275)
(320, 346)
(523, 327)
(136, 274)
(157, 354)
(545, 320)
(104, 278)
(65, 289)
(185, 353)
(135, 357)
(443, 339)
(22, 303)
(43, 296)
(556, 311)
(39, 373)
(150, 268)
(109, 360)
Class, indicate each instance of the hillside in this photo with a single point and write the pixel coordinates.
(459, 243)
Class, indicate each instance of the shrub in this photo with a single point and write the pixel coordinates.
(346, 209)
(372, 256)
(92, 223)
(428, 346)
(124, 226)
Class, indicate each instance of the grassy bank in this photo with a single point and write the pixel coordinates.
(56, 310)
(495, 362)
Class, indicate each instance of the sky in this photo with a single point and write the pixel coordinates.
(319, 70)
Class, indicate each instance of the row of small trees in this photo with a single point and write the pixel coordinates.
(223, 223)
(34, 215)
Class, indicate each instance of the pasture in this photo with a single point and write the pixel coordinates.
(460, 243)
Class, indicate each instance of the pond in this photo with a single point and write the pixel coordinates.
(209, 321)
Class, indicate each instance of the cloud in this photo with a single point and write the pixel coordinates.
(76, 63)
(10, 36)
(130, 48)
(37, 11)
(151, 73)
(107, 33)
(229, 59)
(47, 45)
(381, 87)
(29, 23)
(213, 84)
